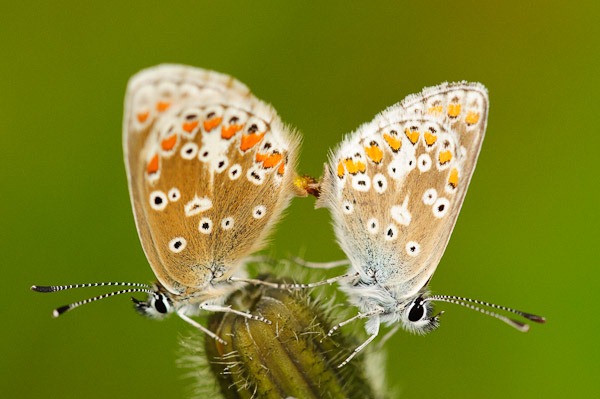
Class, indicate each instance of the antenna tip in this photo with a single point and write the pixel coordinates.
(517, 324)
(58, 311)
(41, 288)
(537, 319)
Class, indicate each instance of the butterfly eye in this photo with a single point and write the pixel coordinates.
(160, 303)
(417, 311)
(156, 306)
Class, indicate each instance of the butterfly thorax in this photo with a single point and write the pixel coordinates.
(394, 303)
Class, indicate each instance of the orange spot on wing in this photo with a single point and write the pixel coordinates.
(189, 126)
(435, 110)
(354, 167)
(229, 131)
(260, 157)
(413, 135)
(393, 141)
(152, 166)
(162, 106)
(168, 143)
(250, 140)
(281, 169)
(472, 117)
(143, 116)
(212, 123)
(453, 178)
(445, 156)
(374, 153)
(272, 160)
(341, 171)
(453, 110)
(430, 138)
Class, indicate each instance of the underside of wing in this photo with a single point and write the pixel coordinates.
(396, 185)
(210, 169)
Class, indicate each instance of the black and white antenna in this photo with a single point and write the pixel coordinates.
(136, 287)
(472, 304)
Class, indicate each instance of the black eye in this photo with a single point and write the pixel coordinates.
(417, 311)
(159, 305)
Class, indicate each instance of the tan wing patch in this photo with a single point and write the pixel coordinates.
(210, 169)
(396, 216)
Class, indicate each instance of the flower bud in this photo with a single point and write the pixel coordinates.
(291, 357)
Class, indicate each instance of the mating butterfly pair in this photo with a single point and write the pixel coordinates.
(211, 168)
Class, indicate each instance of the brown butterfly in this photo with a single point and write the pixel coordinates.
(210, 170)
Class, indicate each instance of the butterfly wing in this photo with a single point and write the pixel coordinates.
(396, 185)
(210, 170)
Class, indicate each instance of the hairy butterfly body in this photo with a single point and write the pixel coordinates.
(210, 170)
(395, 187)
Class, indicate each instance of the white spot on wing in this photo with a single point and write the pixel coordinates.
(413, 248)
(391, 232)
(361, 182)
(429, 196)
(205, 226)
(234, 116)
(347, 207)
(373, 226)
(221, 164)
(174, 194)
(189, 151)
(401, 214)
(440, 207)
(259, 212)
(227, 223)
(235, 171)
(158, 200)
(424, 162)
(204, 154)
(177, 244)
(256, 175)
(255, 125)
(197, 205)
(380, 183)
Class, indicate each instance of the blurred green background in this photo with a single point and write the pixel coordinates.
(527, 235)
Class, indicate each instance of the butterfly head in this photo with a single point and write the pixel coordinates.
(156, 306)
(416, 316)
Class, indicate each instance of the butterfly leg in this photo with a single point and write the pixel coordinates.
(321, 265)
(294, 286)
(347, 276)
(201, 328)
(372, 313)
(227, 309)
(364, 344)
(254, 281)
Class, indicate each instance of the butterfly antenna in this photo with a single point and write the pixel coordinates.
(468, 303)
(56, 288)
(136, 287)
(58, 311)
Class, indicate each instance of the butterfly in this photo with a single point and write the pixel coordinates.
(394, 188)
(210, 170)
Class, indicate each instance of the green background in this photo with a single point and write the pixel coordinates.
(527, 235)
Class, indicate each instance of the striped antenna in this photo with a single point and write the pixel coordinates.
(468, 303)
(137, 287)
(56, 288)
